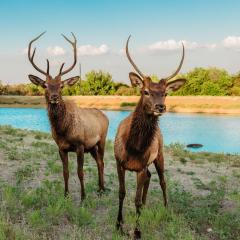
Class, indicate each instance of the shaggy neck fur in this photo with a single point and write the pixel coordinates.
(57, 114)
(142, 130)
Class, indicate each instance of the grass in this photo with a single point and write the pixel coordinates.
(179, 152)
(32, 205)
(128, 104)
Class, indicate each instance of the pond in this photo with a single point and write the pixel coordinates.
(217, 133)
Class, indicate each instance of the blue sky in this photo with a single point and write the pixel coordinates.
(210, 29)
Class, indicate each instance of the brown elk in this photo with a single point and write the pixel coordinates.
(74, 129)
(139, 142)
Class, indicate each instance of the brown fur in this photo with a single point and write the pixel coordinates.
(139, 141)
(73, 129)
(76, 128)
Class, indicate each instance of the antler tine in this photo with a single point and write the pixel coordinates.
(75, 39)
(61, 68)
(74, 45)
(131, 61)
(47, 66)
(179, 67)
(31, 58)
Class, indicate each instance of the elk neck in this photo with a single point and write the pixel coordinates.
(57, 114)
(142, 130)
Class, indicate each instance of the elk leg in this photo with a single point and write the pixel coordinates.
(80, 161)
(145, 187)
(97, 153)
(141, 180)
(64, 157)
(122, 193)
(159, 165)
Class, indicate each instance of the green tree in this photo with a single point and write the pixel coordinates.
(99, 83)
(210, 81)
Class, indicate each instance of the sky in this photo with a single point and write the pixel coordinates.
(210, 31)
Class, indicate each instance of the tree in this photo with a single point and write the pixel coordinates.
(210, 81)
(99, 83)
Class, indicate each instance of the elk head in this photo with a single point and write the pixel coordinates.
(53, 86)
(153, 94)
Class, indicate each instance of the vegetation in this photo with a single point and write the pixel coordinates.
(204, 199)
(200, 81)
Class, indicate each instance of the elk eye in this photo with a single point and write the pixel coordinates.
(146, 92)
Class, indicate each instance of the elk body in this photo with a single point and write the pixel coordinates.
(74, 129)
(139, 141)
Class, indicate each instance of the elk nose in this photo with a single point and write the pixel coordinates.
(54, 97)
(160, 107)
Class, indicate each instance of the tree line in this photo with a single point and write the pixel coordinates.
(200, 81)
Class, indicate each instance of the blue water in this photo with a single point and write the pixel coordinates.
(218, 133)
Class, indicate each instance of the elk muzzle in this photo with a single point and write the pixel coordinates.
(159, 109)
(54, 99)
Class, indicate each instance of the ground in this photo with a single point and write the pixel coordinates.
(187, 104)
(203, 193)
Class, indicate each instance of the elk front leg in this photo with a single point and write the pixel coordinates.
(80, 161)
(159, 165)
(64, 157)
(141, 180)
(122, 193)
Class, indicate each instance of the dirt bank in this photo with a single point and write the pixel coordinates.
(189, 104)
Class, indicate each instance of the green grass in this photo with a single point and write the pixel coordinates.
(180, 153)
(32, 205)
(128, 104)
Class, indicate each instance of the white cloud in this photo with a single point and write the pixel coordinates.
(89, 50)
(210, 46)
(56, 51)
(232, 42)
(172, 44)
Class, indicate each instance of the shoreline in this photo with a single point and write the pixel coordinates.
(175, 104)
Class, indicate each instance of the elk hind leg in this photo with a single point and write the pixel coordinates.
(145, 187)
(80, 161)
(97, 153)
(159, 165)
(141, 180)
(122, 193)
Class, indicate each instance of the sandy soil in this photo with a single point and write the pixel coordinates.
(187, 104)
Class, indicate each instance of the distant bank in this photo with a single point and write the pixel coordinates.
(185, 104)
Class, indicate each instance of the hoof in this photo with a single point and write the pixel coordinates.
(66, 194)
(137, 234)
(103, 191)
(107, 190)
(100, 192)
(119, 228)
(83, 196)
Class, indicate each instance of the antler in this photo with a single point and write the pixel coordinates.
(179, 67)
(131, 61)
(74, 45)
(31, 57)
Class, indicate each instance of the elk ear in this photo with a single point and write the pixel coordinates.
(136, 80)
(37, 81)
(175, 85)
(70, 81)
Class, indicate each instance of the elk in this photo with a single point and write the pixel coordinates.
(74, 129)
(139, 141)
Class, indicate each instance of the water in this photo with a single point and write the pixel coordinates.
(218, 133)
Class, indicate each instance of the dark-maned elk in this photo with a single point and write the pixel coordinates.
(139, 142)
(74, 129)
